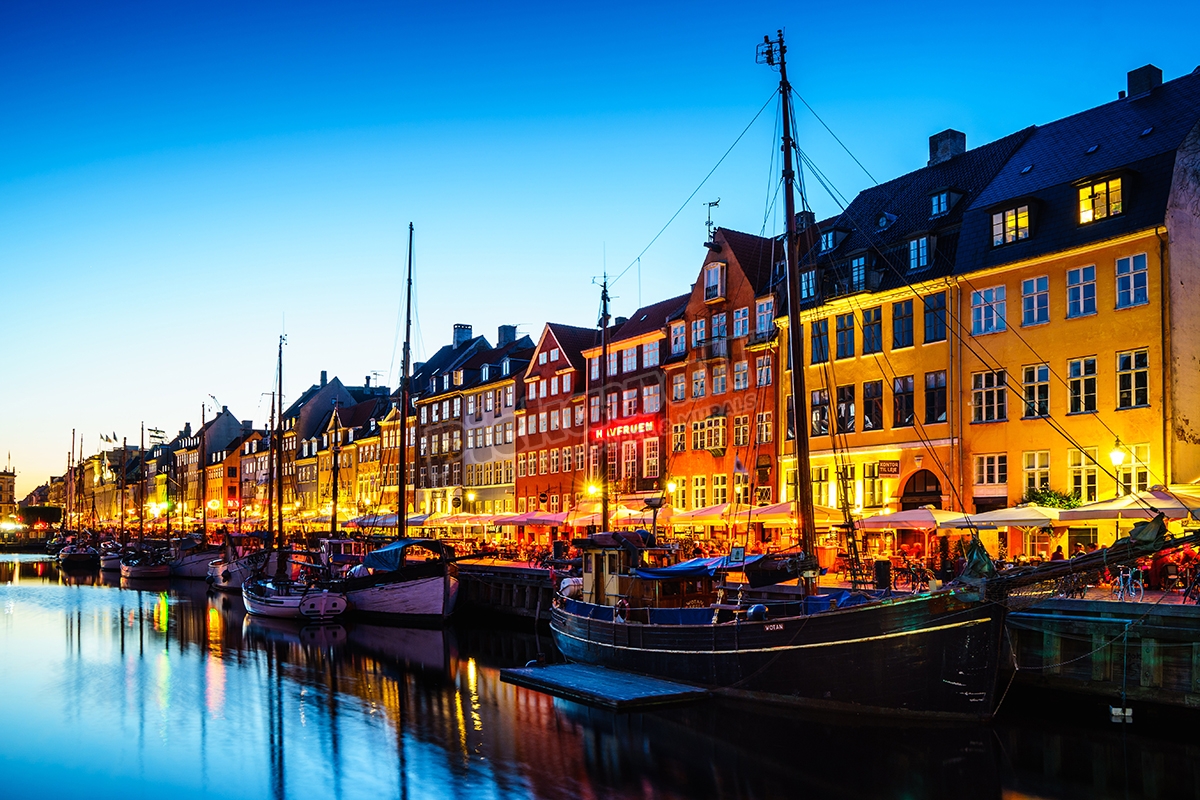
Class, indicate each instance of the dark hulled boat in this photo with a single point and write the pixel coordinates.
(933, 655)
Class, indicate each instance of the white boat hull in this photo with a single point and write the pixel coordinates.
(193, 564)
(427, 598)
(229, 577)
(144, 571)
(310, 605)
(110, 562)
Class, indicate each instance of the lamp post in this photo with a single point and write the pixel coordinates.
(1117, 457)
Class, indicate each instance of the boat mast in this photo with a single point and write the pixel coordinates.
(335, 452)
(272, 443)
(142, 490)
(772, 53)
(202, 460)
(402, 472)
(604, 404)
(71, 482)
(121, 505)
(281, 562)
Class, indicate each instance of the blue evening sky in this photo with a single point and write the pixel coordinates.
(181, 181)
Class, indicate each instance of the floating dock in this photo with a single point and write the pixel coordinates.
(505, 587)
(606, 688)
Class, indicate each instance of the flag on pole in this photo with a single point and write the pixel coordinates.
(738, 466)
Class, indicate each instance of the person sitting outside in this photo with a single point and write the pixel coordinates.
(1057, 555)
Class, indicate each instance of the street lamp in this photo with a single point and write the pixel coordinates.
(1117, 456)
(471, 500)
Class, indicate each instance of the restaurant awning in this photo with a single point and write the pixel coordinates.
(924, 518)
(1139, 505)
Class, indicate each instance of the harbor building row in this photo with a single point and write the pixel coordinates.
(1007, 319)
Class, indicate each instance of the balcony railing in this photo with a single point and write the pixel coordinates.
(713, 292)
(714, 349)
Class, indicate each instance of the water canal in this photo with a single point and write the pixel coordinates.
(164, 690)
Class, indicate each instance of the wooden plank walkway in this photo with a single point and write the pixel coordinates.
(606, 688)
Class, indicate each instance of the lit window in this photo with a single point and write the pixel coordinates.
(629, 360)
(820, 412)
(1099, 200)
(651, 398)
(698, 327)
(763, 428)
(714, 281)
(741, 430)
(629, 399)
(991, 469)
(650, 354)
(698, 383)
(719, 372)
(1083, 472)
(678, 384)
(762, 371)
(1010, 226)
(1131, 281)
(1036, 466)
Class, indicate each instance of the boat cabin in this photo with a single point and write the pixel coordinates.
(609, 561)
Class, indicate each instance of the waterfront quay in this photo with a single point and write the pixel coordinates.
(171, 689)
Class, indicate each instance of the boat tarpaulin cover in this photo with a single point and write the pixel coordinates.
(391, 557)
(693, 568)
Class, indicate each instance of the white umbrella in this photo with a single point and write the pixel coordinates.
(1026, 516)
(1140, 505)
(923, 518)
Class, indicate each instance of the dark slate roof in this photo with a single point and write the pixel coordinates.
(652, 317)
(518, 352)
(1059, 158)
(905, 203)
(757, 257)
(447, 359)
(574, 341)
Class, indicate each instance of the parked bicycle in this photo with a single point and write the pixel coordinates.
(1128, 585)
(912, 577)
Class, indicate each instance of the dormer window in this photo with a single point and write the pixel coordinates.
(714, 282)
(445, 382)
(808, 285)
(505, 367)
(918, 254)
(1100, 200)
(885, 221)
(458, 377)
(553, 354)
(939, 204)
(542, 357)
(831, 238)
(1010, 225)
(484, 372)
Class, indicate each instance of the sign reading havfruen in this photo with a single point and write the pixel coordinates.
(639, 426)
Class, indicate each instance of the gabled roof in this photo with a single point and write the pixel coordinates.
(756, 255)
(573, 341)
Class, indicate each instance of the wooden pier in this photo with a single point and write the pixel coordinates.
(606, 688)
(505, 587)
(1150, 650)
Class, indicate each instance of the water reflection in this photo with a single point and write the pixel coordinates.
(166, 687)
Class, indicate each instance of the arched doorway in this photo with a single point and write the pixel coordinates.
(921, 489)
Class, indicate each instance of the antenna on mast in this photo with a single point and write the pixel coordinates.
(709, 223)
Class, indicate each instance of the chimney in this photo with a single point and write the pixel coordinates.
(507, 334)
(620, 321)
(247, 425)
(187, 430)
(324, 378)
(367, 382)
(946, 145)
(462, 335)
(1143, 79)
(224, 409)
(805, 220)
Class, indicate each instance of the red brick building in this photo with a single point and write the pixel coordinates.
(637, 431)
(720, 367)
(552, 422)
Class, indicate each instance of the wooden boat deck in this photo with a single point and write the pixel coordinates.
(606, 688)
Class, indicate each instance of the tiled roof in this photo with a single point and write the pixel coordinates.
(1057, 157)
(756, 255)
(650, 318)
(903, 205)
(574, 341)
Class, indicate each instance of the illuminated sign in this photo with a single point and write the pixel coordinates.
(634, 427)
(887, 468)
